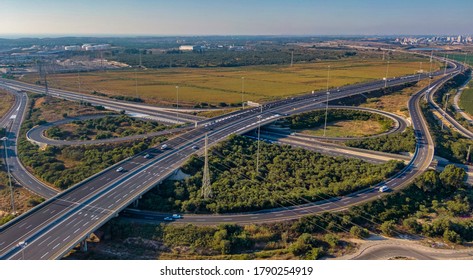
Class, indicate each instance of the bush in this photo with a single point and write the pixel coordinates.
(359, 232)
(412, 225)
(388, 228)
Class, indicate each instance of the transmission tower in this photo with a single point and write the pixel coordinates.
(206, 187)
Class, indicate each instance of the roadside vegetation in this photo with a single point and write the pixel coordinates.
(286, 177)
(104, 128)
(340, 123)
(393, 143)
(466, 100)
(436, 205)
(7, 102)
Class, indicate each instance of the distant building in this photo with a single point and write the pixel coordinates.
(101, 47)
(72, 48)
(186, 48)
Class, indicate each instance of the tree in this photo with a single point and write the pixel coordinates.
(388, 228)
(359, 232)
(452, 236)
(412, 225)
(331, 239)
(452, 176)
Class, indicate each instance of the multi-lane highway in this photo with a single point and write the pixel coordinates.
(158, 113)
(12, 121)
(57, 225)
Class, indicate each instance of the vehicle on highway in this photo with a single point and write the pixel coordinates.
(195, 147)
(168, 219)
(176, 216)
(147, 156)
(164, 147)
(384, 189)
(120, 169)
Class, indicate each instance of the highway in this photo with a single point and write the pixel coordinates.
(13, 120)
(57, 225)
(37, 134)
(157, 113)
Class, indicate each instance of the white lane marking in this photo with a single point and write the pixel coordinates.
(76, 230)
(44, 254)
(28, 226)
(66, 238)
(228, 219)
(71, 222)
(52, 241)
(86, 224)
(41, 241)
(279, 215)
(56, 246)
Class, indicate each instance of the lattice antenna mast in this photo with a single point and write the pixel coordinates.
(206, 187)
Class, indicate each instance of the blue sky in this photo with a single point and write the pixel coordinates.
(232, 17)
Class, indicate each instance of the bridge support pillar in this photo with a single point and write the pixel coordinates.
(135, 203)
(83, 246)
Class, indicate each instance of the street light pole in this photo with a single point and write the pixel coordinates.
(177, 102)
(326, 106)
(445, 109)
(386, 77)
(259, 130)
(242, 91)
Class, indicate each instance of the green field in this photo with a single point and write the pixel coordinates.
(466, 100)
(224, 84)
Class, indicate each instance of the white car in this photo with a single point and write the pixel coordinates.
(120, 169)
(176, 216)
(168, 219)
(384, 188)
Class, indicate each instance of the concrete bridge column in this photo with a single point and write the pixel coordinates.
(135, 203)
(83, 246)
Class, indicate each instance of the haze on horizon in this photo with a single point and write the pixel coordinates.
(232, 17)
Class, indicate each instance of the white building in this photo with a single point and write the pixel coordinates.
(72, 48)
(186, 48)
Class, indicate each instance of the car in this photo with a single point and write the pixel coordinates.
(164, 147)
(147, 156)
(384, 189)
(176, 216)
(195, 147)
(168, 219)
(120, 169)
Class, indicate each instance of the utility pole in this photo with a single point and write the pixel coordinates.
(430, 71)
(242, 92)
(326, 106)
(206, 186)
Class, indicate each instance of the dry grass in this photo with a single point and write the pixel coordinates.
(349, 128)
(214, 85)
(53, 109)
(395, 102)
(22, 199)
(7, 102)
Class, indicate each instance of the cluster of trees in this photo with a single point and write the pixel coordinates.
(449, 143)
(434, 205)
(317, 118)
(87, 160)
(286, 177)
(127, 98)
(106, 127)
(392, 143)
(227, 58)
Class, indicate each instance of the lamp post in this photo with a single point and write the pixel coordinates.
(242, 91)
(326, 105)
(177, 102)
(386, 77)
